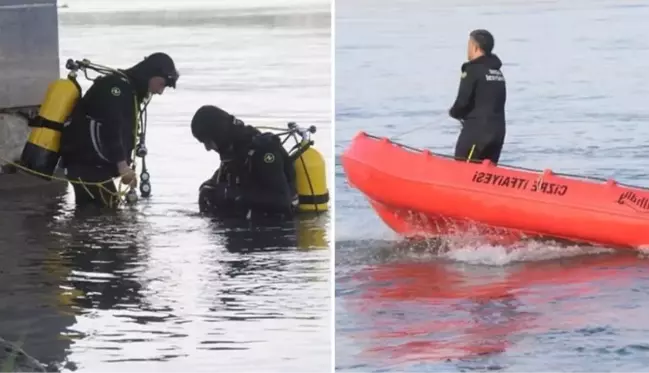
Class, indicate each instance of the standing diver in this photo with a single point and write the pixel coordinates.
(480, 102)
(256, 175)
(97, 144)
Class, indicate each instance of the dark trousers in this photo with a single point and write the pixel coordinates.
(93, 195)
(229, 201)
(476, 146)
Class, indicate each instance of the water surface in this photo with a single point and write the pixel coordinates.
(159, 287)
(576, 104)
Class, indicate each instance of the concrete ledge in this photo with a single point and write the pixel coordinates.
(13, 134)
(27, 183)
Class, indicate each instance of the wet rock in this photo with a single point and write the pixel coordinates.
(14, 359)
(13, 134)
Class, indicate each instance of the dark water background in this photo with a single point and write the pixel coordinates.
(577, 103)
(158, 287)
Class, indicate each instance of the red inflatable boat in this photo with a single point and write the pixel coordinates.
(418, 193)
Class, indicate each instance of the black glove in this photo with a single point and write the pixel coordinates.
(233, 193)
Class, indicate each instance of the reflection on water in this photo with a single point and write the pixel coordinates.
(32, 311)
(159, 287)
(90, 285)
(400, 314)
(480, 307)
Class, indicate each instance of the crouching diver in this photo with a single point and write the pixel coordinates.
(98, 143)
(480, 102)
(255, 177)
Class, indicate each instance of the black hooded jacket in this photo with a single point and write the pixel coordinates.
(482, 94)
(157, 64)
(102, 130)
(255, 172)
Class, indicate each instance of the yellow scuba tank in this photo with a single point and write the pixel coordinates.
(311, 181)
(42, 149)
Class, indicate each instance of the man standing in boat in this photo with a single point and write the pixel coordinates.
(480, 102)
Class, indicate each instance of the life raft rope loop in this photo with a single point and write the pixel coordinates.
(502, 165)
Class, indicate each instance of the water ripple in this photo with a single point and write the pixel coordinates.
(159, 287)
(575, 104)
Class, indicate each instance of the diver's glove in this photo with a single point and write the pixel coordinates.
(232, 193)
(219, 197)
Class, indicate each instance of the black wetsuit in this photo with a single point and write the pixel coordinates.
(256, 177)
(100, 134)
(480, 105)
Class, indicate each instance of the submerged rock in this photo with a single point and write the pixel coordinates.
(14, 359)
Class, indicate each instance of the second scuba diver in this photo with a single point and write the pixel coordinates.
(256, 175)
(97, 144)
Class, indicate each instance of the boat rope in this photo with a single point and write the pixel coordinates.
(408, 132)
(502, 165)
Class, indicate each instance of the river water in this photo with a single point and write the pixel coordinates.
(577, 103)
(159, 287)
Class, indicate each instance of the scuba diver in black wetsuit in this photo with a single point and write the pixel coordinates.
(256, 175)
(97, 144)
(480, 102)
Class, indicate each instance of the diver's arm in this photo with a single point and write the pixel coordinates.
(216, 177)
(464, 99)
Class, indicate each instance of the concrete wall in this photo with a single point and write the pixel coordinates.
(29, 61)
(29, 50)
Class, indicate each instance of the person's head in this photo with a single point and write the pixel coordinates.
(481, 42)
(213, 127)
(154, 74)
